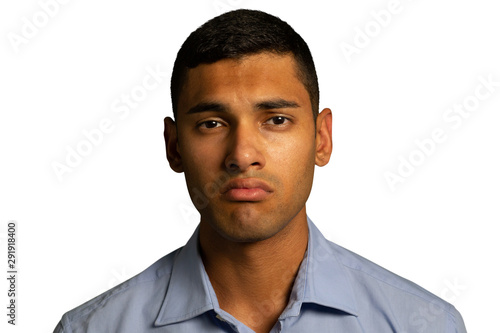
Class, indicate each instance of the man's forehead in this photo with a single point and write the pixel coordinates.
(267, 60)
(257, 73)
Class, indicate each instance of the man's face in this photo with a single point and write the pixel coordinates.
(246, 142)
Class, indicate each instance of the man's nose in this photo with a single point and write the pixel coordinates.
(245, 149)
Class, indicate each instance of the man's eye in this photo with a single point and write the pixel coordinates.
(278, 120)
(210, 124)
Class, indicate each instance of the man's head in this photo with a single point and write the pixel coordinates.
(245, 135)
(239, 33)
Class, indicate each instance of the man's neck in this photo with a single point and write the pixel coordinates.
(253, 281)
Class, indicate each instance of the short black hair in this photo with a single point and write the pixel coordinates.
(236, 34)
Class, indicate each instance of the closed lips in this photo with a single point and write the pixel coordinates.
(246, 183)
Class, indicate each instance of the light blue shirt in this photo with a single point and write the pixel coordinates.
(335, 291)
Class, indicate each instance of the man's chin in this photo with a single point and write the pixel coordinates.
(245, 222)
(247, 229)
(246, 237)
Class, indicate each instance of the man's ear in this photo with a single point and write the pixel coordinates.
(323, 137)
(171, 145)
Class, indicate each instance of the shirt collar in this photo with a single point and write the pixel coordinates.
(189, 292)
(327, 281)
(321, 279)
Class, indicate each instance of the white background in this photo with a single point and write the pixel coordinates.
(122, 208)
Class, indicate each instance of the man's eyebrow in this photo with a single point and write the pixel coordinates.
(207, 106)
(276, 104)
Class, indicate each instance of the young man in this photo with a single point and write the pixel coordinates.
(247, 135)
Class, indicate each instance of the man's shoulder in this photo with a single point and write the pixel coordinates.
(382, 289)
(145, 290)
(363, 270)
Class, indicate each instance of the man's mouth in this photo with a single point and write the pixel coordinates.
(246, 189)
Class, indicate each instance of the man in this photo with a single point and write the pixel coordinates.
(247, 135)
